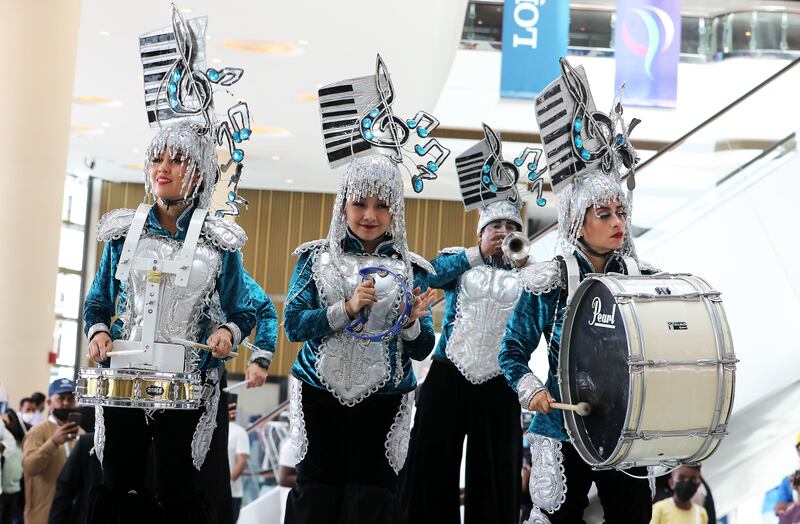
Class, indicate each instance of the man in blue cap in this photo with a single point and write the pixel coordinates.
(46, 448)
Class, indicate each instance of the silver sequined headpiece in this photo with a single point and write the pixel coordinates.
(501, 210)
(357, 120)
(373, 175)
(179, 93)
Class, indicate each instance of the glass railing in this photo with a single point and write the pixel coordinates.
(746, 139)
(266, 436)
(755, 31)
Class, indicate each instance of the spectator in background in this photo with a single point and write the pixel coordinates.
(791, 514)
(38, 400)
(679, 509)
(11, 500)
(8, 446)
(27, 412)
(238, 451)
(785, 492)
(77, 479)
(45, 451)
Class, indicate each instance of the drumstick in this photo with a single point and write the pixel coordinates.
(126, 352)
(198, 345)
(235, 386)
(581, 408)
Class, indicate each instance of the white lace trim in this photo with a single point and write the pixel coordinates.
(541, 278)
(421, 262)
(399, 435)
(309, 246)
(454, 250)
(298, 438)
(201, 440)
(99, 434)
(548, 482)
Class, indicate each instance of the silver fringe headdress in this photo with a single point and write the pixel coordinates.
(588, 153)
(179, 99)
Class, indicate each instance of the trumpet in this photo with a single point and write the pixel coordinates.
(515, 246)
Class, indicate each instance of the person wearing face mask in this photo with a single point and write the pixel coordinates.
(679, 509)
(11, 497)
(27, 412)
(46, 449)
(39, 415)
(464, 393)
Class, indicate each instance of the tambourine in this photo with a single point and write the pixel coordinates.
(357, 325)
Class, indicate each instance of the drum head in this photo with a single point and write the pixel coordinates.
(598, 369)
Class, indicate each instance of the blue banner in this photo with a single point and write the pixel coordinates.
(535, 36)
(647, 48)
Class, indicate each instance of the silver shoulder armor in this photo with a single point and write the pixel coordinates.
(421, 262)
(452, 250)
(309, 246)
(114, 224)
(226, 235)
(541, 277)
(647, 267)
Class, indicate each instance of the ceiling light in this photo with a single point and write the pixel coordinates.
(288, 181)
(105, 124)
(308, 97)
(95, 100)
(261, 46)
(135, 166)
(185, 10)
(747, 33)
(104, 33)
(275, 157)
(216, 60)
(85, 130)
(272, 132)
(135, 151)
(302, 42)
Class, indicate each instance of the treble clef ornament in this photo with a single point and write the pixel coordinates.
(498, 175)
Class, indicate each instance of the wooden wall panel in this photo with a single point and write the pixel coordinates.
(278, 221)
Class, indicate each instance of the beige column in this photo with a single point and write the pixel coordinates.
(38, 45)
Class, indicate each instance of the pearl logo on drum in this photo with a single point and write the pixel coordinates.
(599, 319)
(154, 391)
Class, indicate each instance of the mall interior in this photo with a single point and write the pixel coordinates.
(716, 142)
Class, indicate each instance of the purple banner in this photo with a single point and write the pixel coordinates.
(647, 48)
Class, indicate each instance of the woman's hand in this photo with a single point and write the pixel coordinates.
(364, 295)
(99, 346)
(255, 376)
(421, 304)
(541, 402)
(220, 342)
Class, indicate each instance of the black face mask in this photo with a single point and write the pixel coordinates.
(685, 490)
(62, 413)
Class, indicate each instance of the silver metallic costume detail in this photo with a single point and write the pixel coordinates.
(548, 483)
(114, 224)
(412, 331)
(399, 435)
(235, 331)
(486, 300)
(201, 440)
(309, 246)
(297, 424)
(97, 328)
(224, 234)
(453, 250)
(422, 263)
(180, 308)
(474, 256)
(647, 267)
(537, 517)
(501, 210)
(352, 369)
(541, 277)
(99, 434)
(337, 315)
(256, 353)
(198, 153)
(528, 386)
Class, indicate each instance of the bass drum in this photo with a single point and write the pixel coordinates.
(654, 358)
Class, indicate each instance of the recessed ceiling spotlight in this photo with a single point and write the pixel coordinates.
(135, 151)
(105, 124)
(308, 97)
(135, 166)
(272, 132)
(216, 60)
(289, 181)
(104, 33)
(275, 157)
(302, 42)
(95, 100)
(262, 46)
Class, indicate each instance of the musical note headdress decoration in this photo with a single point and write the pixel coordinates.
(357, 120)
(489, 182)
(179, 99)
(588, 153)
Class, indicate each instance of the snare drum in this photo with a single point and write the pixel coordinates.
(654, 358)
(133, 388)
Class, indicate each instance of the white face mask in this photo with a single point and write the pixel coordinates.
(27, 417)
